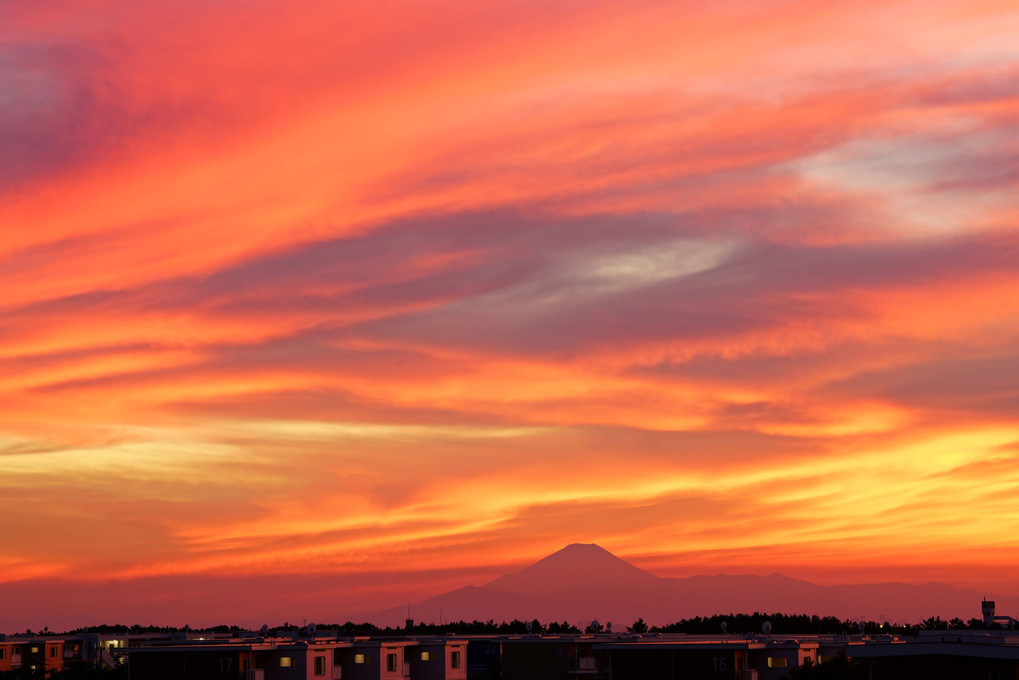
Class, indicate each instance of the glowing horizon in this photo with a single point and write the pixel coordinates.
(431, 291)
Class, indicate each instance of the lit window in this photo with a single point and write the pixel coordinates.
(391, 662)
(454, 659)
(777, 662)
(286, 662)
(825, 658)
(425, 656)
(360, 658)
(35, 650)
(320, 665)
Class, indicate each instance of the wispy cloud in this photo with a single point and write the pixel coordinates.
(457, 285)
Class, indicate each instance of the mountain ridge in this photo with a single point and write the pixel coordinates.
(584, 581)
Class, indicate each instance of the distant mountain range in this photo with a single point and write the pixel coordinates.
(582, 582)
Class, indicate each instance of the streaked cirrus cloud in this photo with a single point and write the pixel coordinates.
(434, 289)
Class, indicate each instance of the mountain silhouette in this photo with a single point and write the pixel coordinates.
(582, 582)
(576, 565)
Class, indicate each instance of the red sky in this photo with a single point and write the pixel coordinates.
(404, 295)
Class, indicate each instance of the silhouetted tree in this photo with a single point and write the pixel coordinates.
(563, 628)
(638, 627)
(514, 627)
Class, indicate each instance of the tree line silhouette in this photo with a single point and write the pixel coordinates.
(736, 624)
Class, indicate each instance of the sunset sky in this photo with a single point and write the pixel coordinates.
(398, 296)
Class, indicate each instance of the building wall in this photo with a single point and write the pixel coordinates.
(439, 665)
(6, 657)
(943, 667)
(774, 662)
(186, 665)
(35, 656)
(456, 661)
(297, 657)
(327, 657)
(484, 658)
(546, 659)
(677, 664)
(375, 666)
(54, 657)
(167, 665)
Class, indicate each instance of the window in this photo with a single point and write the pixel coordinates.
(391, 662)
(320, 665)
(286, 662)
(425, 656)
(454, 659)
(53, 652)
(3, 653)
(34, 650)
(360, 658)
(776, 662)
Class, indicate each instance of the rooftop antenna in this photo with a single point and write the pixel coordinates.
(724, 626)
(766, 628)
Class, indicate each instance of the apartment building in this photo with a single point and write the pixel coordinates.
(296, 659)
(948, 655)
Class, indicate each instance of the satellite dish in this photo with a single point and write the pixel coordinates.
(264, 630)
(766, 628)
(530, 625)
(311, 629)
(724, 626)
(608, 626)
(863, 625)
(286, 625)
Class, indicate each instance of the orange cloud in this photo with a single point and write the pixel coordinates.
(341, 289)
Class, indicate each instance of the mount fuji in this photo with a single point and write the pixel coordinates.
(582, 582)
